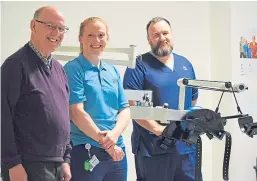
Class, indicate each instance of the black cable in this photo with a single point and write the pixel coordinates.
(217, 108)
(216, 89)
(238, 108)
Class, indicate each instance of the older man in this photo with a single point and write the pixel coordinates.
(35, 106)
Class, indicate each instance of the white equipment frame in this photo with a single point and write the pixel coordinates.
(161, 113)
(66, 53)
(130, 51)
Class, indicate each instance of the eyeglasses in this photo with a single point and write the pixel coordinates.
(51, 26)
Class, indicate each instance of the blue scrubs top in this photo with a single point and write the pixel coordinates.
(151, 74)
(101, 92)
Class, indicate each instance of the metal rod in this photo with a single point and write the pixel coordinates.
(234, 116)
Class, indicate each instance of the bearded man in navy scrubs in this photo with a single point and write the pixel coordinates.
(158, 71)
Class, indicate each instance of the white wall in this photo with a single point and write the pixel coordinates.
(243, 23)
(220, 70)
(229, 21)
(201, 33)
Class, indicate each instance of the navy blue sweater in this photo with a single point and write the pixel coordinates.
(35, 110)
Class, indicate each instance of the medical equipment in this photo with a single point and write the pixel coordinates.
(202, 121)
(144, 108)
(210, 122)
(67, 53)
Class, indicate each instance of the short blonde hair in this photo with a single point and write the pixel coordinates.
(85, 22)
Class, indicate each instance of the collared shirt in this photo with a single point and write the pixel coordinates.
(101, 92)
(47, 61)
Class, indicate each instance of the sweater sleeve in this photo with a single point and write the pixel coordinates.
(11, 81)
(67, 154)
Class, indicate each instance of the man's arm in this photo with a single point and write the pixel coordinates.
(66, 165)
(150, 125)
(11, 82)
(134, 80)
(67, 154)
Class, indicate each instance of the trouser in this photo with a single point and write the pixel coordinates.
(166, 167)
(106, 170)
(242, 55)
(39, 171)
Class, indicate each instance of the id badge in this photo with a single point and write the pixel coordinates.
(93, 162)
(90, 164)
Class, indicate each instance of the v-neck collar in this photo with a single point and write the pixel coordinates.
(165, 67)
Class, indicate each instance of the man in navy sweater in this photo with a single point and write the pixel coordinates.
(35, 107)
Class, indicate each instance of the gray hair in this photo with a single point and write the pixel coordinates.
(38, 12)
(155, 20)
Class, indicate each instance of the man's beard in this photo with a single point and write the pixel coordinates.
(161, 52)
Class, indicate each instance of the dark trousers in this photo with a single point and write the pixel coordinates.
(39, 171)
(165, 167)
(106, 170)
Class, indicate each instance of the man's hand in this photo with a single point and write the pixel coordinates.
(18, 173)
(116, 153)
(110, 139)
(159, 130)
(66, 172)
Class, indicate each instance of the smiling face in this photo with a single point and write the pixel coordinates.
(46, 30)
(160, 38)
(93, 38)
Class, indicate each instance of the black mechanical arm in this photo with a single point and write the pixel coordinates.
(211, 123)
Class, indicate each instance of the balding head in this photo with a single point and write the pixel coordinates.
(38, 12)
(47, 10)
(47, 29)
